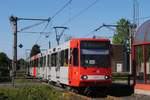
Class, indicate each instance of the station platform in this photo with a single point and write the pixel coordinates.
(142, 89)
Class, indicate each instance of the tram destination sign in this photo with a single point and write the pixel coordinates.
(95, 44)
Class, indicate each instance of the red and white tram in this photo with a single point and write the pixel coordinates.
(84, 62)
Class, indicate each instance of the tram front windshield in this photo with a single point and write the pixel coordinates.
(95, 54)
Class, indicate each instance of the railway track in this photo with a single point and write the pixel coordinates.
(69, 95)
(116, 92)
(97, 94)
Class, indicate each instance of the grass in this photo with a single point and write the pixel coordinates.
(30, 89)
(23, 81)
(36, 92)
(120, 76)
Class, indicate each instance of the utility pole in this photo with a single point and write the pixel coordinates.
(13, 21)
(132, 34)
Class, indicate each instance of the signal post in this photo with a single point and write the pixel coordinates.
(13, 21)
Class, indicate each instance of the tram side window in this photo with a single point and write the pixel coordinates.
(33, 63)
(37, 62)
(75, 57)
(48, 61)
(30, 63)
(53, 59)
(44, 61)
(66, 58)
(62, 58)
(41, 61)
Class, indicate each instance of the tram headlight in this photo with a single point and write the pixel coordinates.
(107, 77)
(84, 77)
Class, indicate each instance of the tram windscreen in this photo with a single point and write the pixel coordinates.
(95, 54)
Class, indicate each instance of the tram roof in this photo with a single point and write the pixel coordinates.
(142, 35)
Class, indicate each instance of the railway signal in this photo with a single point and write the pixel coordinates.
(20, 45)
(13, 21)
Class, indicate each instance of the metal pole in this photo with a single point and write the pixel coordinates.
(13, 21)
(132, 61)
(49, 44)
(130, 36)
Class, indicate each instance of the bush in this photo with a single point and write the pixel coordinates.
(120, 76)
(4, 75)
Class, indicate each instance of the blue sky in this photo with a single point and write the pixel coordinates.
(104, 11)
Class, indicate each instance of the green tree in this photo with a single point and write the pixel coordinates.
(122, 30)
(4, 60)
(35, 50)
(122, 37)
(21, 64)
(5, 65)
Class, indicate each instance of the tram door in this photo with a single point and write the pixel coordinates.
(58, 67)
(74, 69)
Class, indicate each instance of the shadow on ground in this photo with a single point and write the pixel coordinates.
(120, 90)
(116, 90)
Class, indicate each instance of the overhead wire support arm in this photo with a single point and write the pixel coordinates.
(58, 36)
(31, 26)
(60, 27)
(107, 26)
(34, 32)
(33, 19)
